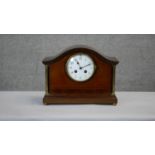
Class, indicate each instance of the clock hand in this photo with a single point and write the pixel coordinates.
(78, 63)
(85, 66)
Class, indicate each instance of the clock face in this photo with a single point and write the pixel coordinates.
(80, 67)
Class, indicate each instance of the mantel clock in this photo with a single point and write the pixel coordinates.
(80, 76)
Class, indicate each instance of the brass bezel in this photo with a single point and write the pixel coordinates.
(80, 53)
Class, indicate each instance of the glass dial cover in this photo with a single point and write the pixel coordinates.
(80, 67)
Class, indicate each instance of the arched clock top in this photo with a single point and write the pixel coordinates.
(69, 52)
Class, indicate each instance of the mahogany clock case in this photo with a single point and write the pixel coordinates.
(61, 89)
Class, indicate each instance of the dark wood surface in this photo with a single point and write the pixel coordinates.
(59, 81)
(80, 99)
(62, 89)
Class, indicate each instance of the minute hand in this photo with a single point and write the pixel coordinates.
(85, 66)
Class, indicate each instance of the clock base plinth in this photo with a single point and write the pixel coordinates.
(97, 99)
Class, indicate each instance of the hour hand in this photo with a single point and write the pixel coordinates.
(77, 62)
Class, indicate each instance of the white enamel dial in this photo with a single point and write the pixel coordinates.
(80, 67)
